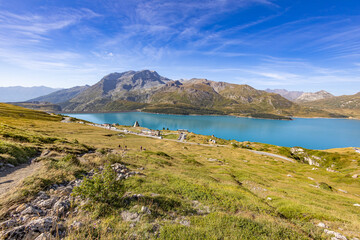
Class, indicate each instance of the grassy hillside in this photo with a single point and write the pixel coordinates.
(190, 190)
(346, 105)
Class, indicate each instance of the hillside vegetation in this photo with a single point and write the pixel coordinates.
(346, 105)
(173, 190)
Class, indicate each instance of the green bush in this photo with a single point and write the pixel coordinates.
(325, 186)
(101, 188)
(71, 159)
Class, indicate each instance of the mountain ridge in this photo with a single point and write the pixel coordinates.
(146, 90)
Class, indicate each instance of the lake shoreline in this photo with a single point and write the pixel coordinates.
(312, 133)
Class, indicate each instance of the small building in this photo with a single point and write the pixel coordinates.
(183, 130)
(136, 124)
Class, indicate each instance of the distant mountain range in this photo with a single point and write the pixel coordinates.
(148, 91)
(299, 96)
(18, 94)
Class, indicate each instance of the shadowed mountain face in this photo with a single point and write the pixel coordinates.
(18, 94)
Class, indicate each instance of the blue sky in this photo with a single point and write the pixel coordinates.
(293, 44)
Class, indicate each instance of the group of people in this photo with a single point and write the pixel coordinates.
(125, 148)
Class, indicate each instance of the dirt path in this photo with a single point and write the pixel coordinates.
(11, 177)
(273, 155)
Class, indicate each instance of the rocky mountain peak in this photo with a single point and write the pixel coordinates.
(309, 96)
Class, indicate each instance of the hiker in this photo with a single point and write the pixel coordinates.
(140, 148)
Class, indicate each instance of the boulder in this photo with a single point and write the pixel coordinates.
(8, 224)
(130, 217)
(47, 204)
(76, 225)
(61, 207)
(31, 210)
(45, 236)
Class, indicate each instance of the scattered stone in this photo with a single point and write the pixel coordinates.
(60, 207)
(76, 225)
(9, 165)
(8, 224)
(185, 222)
(45, 236)
(331, 170)
(145, 210)
(357, 205)
(337, 236)
(340, 190)
(322, 225)
(269, 198)
(315, 186)
(310, 178)
(21, 207)
(130, 217)
(289, 175)
(212, 160)
(31, 210)
(314, 168)
(47, 204)
(355, 176)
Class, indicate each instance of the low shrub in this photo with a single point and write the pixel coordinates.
(103, 187)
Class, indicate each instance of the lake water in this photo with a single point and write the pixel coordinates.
(309, 133)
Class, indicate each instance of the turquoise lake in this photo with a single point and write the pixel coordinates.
(316, 133)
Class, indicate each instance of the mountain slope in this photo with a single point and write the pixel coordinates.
(18, 94)
(289, 95)
(346, 104)
(61, 95)
(148, 91)
(309, 96)
(131, 86)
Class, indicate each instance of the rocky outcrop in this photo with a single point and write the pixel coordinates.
(45, 217)
(309, 96)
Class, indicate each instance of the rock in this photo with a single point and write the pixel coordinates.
(130, 217)
(47, 204)
(337, 236)
(76, 225)
(15, 233)
(64, 191)
(289, 175)
(9, 165)
(45, 153)
(145, 210)
(269, 198)
(31, 211)
(60, 207)
(8, 224)
(357, 205)
(45, 236)
(322, 225)
(41, 225)
(310, 178)
(212, 160)
(331, 170)
(314, 168)
(185, 222)
(355, 176)
(21, 207)
(340, 190)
